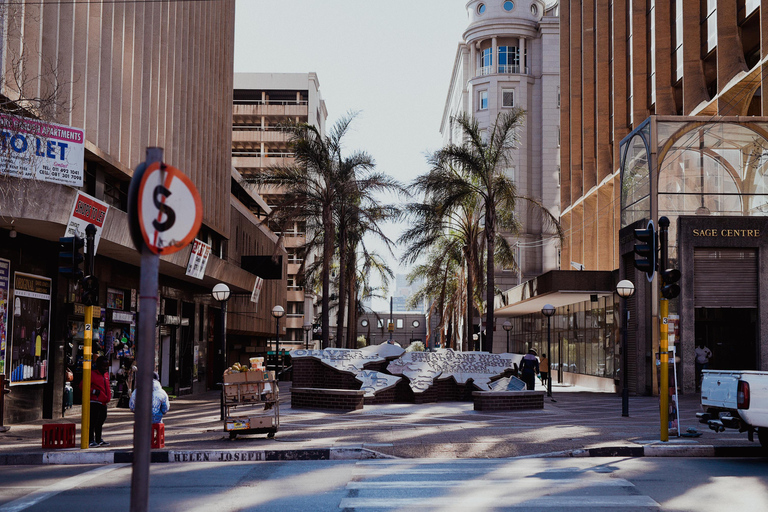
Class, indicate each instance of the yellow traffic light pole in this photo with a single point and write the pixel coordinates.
(85, 425)
(664, 376)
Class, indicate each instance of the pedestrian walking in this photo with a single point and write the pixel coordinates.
(160, 402)
(101, 394)
(529, 367)
(544, 369)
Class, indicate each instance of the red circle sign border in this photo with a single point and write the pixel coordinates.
(176, 173)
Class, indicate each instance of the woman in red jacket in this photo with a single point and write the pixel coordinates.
(101, 394)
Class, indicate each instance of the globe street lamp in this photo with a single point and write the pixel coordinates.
(221, 293)
(507, 327)
(278, 312)
(548, 310)
(307, 328)
(625, 289)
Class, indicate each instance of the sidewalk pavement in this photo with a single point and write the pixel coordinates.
(576, 423)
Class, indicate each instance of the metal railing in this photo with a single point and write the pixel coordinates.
(270, 102)
(504, 70)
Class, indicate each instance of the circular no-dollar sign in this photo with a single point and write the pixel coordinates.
(169, 208)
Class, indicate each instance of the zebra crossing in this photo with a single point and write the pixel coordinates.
(485, 485)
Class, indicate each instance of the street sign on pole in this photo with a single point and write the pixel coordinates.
(169, 209)
(164, 214)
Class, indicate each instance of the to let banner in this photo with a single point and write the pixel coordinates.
(33, 149)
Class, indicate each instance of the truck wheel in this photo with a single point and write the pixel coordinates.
(762, 435)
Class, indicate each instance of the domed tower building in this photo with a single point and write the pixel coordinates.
(510, 57)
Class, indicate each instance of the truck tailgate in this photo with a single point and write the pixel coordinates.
(719, 388)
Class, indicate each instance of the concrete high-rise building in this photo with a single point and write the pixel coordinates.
(89, 86)
(509, 57)
(264, 103)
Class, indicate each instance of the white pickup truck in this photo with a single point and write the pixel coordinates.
(736, 399)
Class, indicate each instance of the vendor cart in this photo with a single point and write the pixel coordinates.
(251, 404)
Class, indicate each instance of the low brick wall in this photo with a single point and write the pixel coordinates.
(386, 396)
(508, 400)
(311, 373)
(320, 398)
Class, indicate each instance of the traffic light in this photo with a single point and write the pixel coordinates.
(90, 291)
(645, 250)
(669, 288)
(71, 256)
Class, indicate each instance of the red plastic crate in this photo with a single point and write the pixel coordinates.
(59, 435)
(158, 435)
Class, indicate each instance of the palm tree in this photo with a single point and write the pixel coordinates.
(324, 187)
(442, 286)
(447, 230)
(476, 169)
(313, 189)
(360, 213)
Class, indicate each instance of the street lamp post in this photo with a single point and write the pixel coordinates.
(625, 288)
(278, 312)
(221, 293)
(307, 328)
(507, 327)
(548, 310)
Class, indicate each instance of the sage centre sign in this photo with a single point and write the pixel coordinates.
(33, 149)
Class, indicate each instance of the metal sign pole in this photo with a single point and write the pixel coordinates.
(142, 430)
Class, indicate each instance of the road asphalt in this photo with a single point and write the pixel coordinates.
(575, 422)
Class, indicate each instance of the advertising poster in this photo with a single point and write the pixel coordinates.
(198, 259)
(5, 279)
(34, 149)
(257, 290)
(87, 210)
(28, 362)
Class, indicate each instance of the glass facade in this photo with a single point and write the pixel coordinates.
(584, 337)
(714, 168)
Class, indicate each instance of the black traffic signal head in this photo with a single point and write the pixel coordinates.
(90, 291)
(71, 256)
(645, 250)
(669, 287)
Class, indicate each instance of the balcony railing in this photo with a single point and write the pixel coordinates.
(270, 102)
(503, 70)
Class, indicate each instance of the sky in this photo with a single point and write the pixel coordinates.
(389, 60)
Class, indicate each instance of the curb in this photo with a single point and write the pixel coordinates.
(173, 456)
(352, 453)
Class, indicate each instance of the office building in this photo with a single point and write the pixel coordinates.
(264, 105)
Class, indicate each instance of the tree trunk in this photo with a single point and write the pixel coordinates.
(470, 288)
(327, 257)
(352, 313)
(490, 295)
(342, 286)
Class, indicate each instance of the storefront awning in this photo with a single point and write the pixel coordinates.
(557, 287)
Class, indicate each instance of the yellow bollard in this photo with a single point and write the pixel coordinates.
(85, 422)
(664, 376)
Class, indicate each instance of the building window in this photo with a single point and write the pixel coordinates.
(364, 323)
(481, 9)
(399, 323)
(534, 9)
(415, 323)
(486, 61)
(380, 323)
(558, 97)
(508, 6)
(483, 100)
(507, 97)
(509, 59)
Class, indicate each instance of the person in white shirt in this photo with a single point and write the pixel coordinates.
(703, 355)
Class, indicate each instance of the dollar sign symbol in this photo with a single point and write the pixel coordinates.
(170, 215)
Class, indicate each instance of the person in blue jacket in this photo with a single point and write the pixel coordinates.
(529, 368)
(160, 403)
